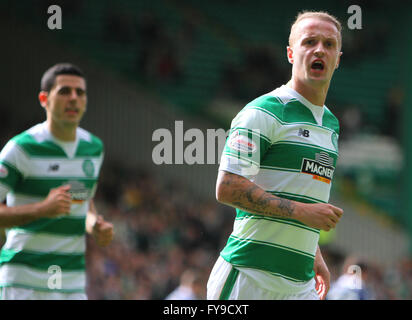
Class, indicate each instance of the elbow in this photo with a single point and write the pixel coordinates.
(227, 186)
(222, 194)
(219, 195)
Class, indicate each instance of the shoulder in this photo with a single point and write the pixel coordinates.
(89, 137)
(25, 141)
(269, 104)
(262, 115)
(278, 104)
(330, 120)
(89, 144)
(16, 153)
(34, 135)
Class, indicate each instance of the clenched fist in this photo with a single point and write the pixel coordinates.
(103, 232)
(58, 202)
(322, 216)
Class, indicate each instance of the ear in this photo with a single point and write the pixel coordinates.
(43, 95)
(289, 52)
(338, 61)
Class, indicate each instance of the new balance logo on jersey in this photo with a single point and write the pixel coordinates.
(54, 167)
(303, 133)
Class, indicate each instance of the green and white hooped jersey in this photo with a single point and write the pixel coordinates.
(287, 146)
(49, 253)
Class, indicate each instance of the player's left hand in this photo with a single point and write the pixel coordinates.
(321, 287)
(322, 276)
(103, 232)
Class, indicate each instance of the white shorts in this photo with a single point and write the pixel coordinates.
(229, 283)
(12, 293)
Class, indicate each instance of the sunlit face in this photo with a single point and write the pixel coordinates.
(315, 51)
(66, 102)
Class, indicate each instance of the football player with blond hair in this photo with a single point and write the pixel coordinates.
(276, 170)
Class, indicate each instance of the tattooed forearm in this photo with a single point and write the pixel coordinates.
(286, 206)
(244, 194)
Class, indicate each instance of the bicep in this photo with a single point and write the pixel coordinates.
(230, 185)
(2, 237)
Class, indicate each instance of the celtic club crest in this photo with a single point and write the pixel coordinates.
(88, 168)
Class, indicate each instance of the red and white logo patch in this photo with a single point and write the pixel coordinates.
(241, 143)
(3, 171)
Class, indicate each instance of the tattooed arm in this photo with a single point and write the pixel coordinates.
(239, 192)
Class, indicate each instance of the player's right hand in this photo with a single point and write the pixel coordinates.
(322, 216)
(58, 202)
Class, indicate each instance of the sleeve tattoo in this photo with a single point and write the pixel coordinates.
(247, 196)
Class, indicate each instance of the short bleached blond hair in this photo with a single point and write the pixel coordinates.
(322, 15)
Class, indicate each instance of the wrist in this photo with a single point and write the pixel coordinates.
(297, 213)
(40, 209)
(91, 221)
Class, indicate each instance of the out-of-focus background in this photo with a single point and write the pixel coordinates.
(150, 63)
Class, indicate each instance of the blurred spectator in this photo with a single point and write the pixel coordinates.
(393, 113)
(191, 287)
(354, 283)
(366, 42)
(351, 121)
(157, 59)
(5, 124)
(259, 73)
(118, 26)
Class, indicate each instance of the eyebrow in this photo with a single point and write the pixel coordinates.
(69, 87)
(77, 89)
(315, 36)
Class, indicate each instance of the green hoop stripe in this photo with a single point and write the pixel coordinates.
(43, 261)
(13, 175)
(296, 197)
(229, 284)
(23, 286)
(69, 226)
(32, 148)
(268, 258)
(310, 145)
(89, 149)
(244, 214)
(40, 187)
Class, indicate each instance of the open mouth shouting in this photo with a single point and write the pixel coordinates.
(317, 66)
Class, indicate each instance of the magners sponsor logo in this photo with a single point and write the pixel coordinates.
(321, 168)
(78, 191)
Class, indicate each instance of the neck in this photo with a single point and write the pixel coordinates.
(315, 95)
(64, 133)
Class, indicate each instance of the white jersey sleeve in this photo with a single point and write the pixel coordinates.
(12, 167)
(252, 133)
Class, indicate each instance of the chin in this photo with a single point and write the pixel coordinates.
(72, 122)
(318, 81)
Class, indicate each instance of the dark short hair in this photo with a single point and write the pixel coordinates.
(49, 77)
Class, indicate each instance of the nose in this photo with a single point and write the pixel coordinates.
(319, 50)
(73, 94)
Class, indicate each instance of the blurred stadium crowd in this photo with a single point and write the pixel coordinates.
(161, 230)
(163, 53)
